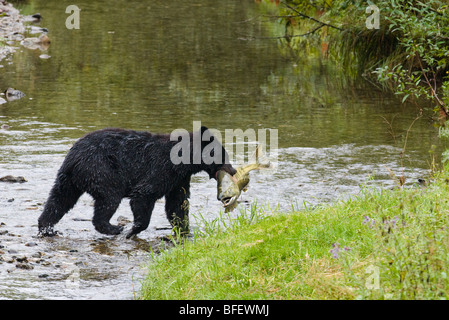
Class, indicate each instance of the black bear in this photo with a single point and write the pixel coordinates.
(112, 164)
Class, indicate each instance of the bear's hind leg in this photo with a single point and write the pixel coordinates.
(142, 209)
(104, 209)
(63, 197)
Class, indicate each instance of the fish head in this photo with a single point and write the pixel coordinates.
(227, 188)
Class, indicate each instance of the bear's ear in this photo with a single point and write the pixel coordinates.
(210, 135)
(203, 129)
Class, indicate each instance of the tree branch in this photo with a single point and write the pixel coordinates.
(302, 15)
(435, 95)
(286, 36)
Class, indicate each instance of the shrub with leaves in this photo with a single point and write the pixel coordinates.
(408, 53)
(421, 65)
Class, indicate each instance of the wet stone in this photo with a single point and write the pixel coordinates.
(24, 266)
(37, 255)
(12, 179)
(123, 221)
(22, 259)
(8, 259)
(81, 219)
(31, 244)
(12, 94)
(36, 260)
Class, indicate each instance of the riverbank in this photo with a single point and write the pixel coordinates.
(381, 244)
(12, 29)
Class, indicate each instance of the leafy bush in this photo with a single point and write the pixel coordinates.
(408, 53)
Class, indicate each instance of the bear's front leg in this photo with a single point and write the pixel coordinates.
(103, 212)
(142, 209)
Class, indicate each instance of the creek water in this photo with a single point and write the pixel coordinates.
(160, 66)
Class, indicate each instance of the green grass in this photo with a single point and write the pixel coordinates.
(385, 245)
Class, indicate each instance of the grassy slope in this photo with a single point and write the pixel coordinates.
(398, 237)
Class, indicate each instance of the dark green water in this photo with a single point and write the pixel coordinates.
(159, 66)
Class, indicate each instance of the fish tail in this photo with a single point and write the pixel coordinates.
(260, 157)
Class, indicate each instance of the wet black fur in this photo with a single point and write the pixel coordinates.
(112, 164)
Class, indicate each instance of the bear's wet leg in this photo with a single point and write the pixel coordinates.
(63, 197)
(177, 208)
(104, 209)
(142, 209)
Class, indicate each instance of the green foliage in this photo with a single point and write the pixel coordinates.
(410, 247)
(258, 254)
(399, 238)
(408, 53)
(421, 30)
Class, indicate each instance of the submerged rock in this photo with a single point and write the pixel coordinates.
(35, 30)
(13, 26)
(24, 266)
(8, 259)
(123, 221)
(13, 94)
(31, 244)
(42, 42)
(33, 18)
(13, 179)
(22, 259)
